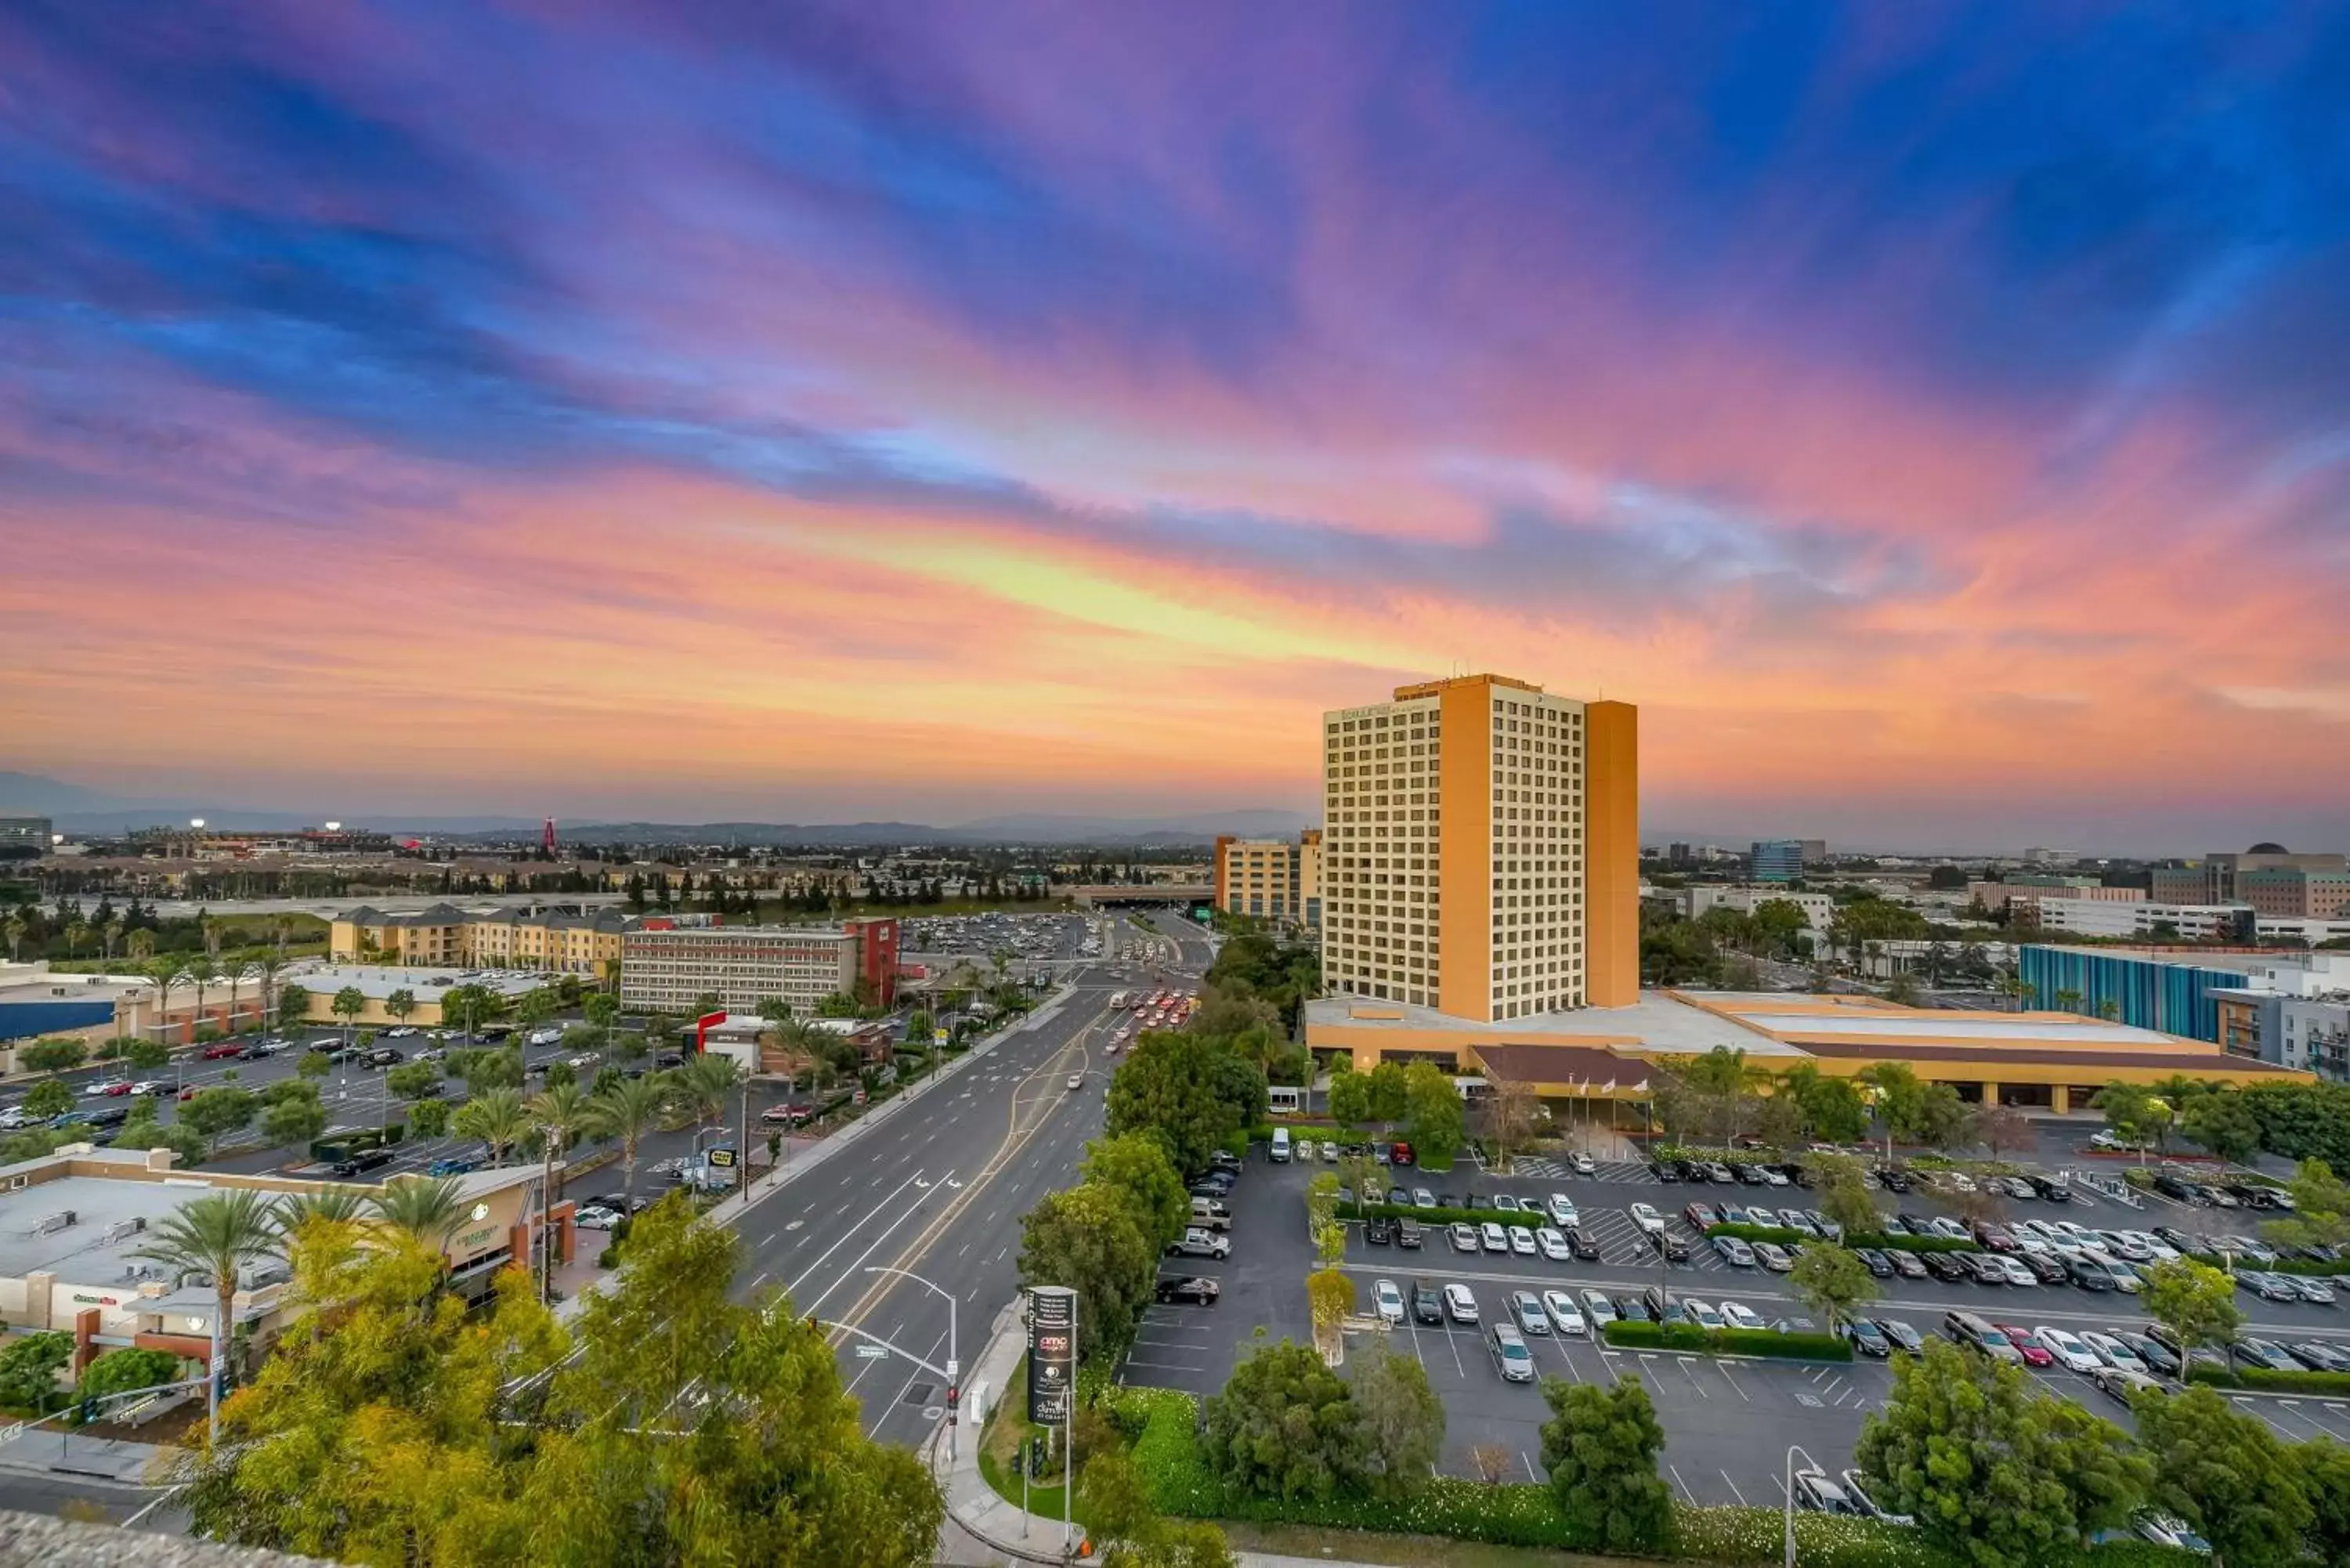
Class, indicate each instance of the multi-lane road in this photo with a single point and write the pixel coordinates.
(937, 1189)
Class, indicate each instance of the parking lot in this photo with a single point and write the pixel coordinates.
(1042, 936)
(1728, 1422)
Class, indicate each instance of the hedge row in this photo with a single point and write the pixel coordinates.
(1903, 1244)
(2334, 1383)
(1166, 1452)
(1441, 1216)
(2309, 1266)
(1635, 1335)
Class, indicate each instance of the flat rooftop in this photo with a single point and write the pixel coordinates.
(376, 982)
(1659, 1024)
(81, 1253)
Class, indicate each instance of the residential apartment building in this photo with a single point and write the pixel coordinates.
(1271, 879)
(667, 968)
(443, 936)
(1482, 849)
(2295, 892)
(1776, 859)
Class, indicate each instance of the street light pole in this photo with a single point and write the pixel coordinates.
(954, 1364)
(1787, 1503)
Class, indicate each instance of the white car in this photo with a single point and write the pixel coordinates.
(1701, 1312)
(2068, 1350)
(1766, 1217)
(1522, 1240)
(2017, 1274)
(1553, 1245)
(1564, 1314)
(1646, 1217)
(1390, 1302)
(1598, 1308)
(1583, 1165)
(1508, 1203)
(149, 1086)
(1738, 1315)
(1773, 1175)
(1496, 1239)
(2111, 1350)
(596, 1217)
(1563, 1211)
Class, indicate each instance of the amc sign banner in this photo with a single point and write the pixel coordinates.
(1052, 1352)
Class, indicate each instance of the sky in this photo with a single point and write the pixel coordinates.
(1935, 416)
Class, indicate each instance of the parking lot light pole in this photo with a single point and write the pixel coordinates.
(954, 1364)
(1787, 1503)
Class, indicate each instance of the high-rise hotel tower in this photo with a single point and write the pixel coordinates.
(1480, 849)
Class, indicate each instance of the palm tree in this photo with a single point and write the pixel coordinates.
(109, 937)
(217, 1234)
(202, 972)
(322, 1233)
(140, 945)
(333, 1205)
(423, 1209)
(236, 974)
(77, 933)
(705, 1087)
(496, 1118)
(15, 930)
(266, 968)
(167, 971)
(630, 1109)
(561, 1113)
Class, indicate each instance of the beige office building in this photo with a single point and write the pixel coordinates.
(1480, 850)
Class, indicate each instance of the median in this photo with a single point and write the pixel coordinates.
(1689, 1338)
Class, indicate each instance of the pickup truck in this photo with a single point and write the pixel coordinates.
(1196, 1242)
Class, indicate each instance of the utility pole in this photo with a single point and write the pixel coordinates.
(743, 1141)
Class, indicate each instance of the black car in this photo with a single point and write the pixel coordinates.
(1667, 1172)
(1945, 1267)
(2153, 1352)
(1632, 1309)
(1867, 1338)
(1478, 1200)
(2168, 1184)
(1749, 1175)
(1894, 1179)
(669, 1059)
(2051, 1269)
(1903, 1336)
(2055, 1191)
(1690, 1171)
(1195, 1291)
(2181, 1239)
(386, 1057)
(1675, 1250)
(360, 1164)
(2088, 1275)
(1380, 1232)
(1408, 1234)
(1427, 1302)
(1582, 1244)
(1877, 1262)
(1224, 1160)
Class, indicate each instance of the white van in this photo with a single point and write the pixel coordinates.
(1280, 1146)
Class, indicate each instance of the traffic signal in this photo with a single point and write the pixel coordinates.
(88, 1409)
(1019, 1461)
(954, 1396)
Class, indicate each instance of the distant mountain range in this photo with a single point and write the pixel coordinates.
(77, 809)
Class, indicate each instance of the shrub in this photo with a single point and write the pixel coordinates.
(1688, 1337)
(2337, 1384)
(1440, 1216)
(1902, 1244)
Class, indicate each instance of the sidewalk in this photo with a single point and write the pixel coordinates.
(1003, 1534)
(50, 1450)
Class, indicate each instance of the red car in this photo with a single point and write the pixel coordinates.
(2027, 1345)
(1402, 1154)
(219, 1049)
(119, 1087)
(189, 1092)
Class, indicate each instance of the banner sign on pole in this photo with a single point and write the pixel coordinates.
(1052, 1359)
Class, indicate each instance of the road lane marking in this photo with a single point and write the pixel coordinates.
(852, 1231)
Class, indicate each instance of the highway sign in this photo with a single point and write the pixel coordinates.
(872, 1352)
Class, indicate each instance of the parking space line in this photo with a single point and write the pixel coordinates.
(1723, 1368)
(1690, 1372)
(1733, 1488)
(1686, 1496)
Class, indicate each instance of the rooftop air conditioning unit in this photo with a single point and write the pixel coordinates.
(123, 1228)
(50, 1224)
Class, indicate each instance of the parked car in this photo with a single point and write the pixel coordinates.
(1389, 1303)
(1875, 1261)
(1702, 1216)
(1738, 1315)
(1903, 1336)
(1583, 1244)
(1459, 1303)
(2124, 1382)
(1563, 1211)
(1198, 1242)
(1867, 1338)
(2266, 1353)
(2034, 1354)
(1427, 1302)
(1647, 1218)
(1554, 1244)
(1465, 1238)
(1599, 1309)
(1495, 1238)
(2066, 1349)
(1511, 1357)
(1738, 1254)
(1909, 1265)
(1773, 1257)
(1408, 1234)
(1522, 1240)
(1565, 1317)
(593, 1217)
(1380, 1233)
(1532, 1315)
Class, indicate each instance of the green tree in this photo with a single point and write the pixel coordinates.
(2194, 1301)
(1350, 1099)
(428, 1118)
(413, 1080)
(400, 1005)
(1897, 1095)
(2136, 1114)
(219, 1111)
(1165, 1086)
(58, 1055)
(561, 1113)
(602, 1009)
(48, 1098)
(293, 1006)
(1389, 1097)
(29, 1366)
(627, 1111)
(1843, 1197)
(706, 1088)
(127, 1370)
(1995, 1472)
(1135, 1166)
(1285, 1425)
(496, 1118)
(219, 1234)
(312, 1066)
(146, 1055)
(1600, 1448)
(2223, 1124)
(2325, 1482)
(1403, 1420)
(1833, 1282)
(293, 1122)
(2321, 1208)
(1090, 1239)
(425, 1210)
(1434, 1116)
(2227, 1474)
(348, 1003)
